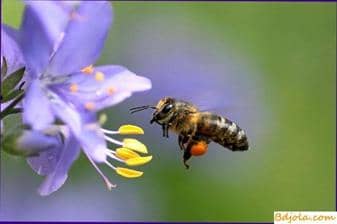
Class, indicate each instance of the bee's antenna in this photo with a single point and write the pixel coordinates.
(137, 109)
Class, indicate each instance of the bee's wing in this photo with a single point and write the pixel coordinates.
(232, 112)
(220, 106)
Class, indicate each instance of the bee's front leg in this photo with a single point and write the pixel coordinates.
(165, 128)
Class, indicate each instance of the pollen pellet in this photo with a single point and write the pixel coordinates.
(125, 172)
(73, 88)
(199, 148)
(99, 76)
(88, 70)
(89, 106)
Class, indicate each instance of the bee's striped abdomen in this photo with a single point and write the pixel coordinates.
(223, 132)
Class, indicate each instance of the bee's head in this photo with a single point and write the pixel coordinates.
(164, 110)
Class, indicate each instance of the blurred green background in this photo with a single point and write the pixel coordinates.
(288, 51)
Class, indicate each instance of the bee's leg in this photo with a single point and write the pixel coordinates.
(182, 140)
(165, 130)
(187, 156)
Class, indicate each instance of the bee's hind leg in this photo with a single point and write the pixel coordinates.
(182, 140)
(187, 156)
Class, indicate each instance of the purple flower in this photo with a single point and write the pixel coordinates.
(61, 41)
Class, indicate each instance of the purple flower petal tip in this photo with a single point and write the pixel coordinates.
(54, 162)
(11, 50)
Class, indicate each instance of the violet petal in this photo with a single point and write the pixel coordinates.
(118, 84)
(36, 141)
(42, 27)
(37, 112)
(84, 38)
(65, 156)
(84, 127)
(11, 51)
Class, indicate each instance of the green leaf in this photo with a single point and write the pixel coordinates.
(11, 81)
(10, 109)
(12, 94)
(3, 67)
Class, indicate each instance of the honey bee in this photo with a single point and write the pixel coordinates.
(195, 128)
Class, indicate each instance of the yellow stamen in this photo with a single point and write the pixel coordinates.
(138, 161)
(130, 130)
(88, 70)
(89, 105)
(125, 154)
(125, 172)
(99, 76)
(135, 145)
(111, 90)
(73, 88)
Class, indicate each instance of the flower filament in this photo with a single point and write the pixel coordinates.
(127, 153)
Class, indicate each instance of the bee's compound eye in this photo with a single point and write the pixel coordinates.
(167, 108)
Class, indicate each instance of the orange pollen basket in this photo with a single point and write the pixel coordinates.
(199, 148)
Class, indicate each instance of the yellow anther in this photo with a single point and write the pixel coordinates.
(138, 161)
(130, 130)
(99, 76)
(125, 172)
(125, 154)
(73, 88)
(89, 105)
(111, 90)
(135, 145)
(88, 70)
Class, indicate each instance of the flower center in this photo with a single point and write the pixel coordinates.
(92, 90)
